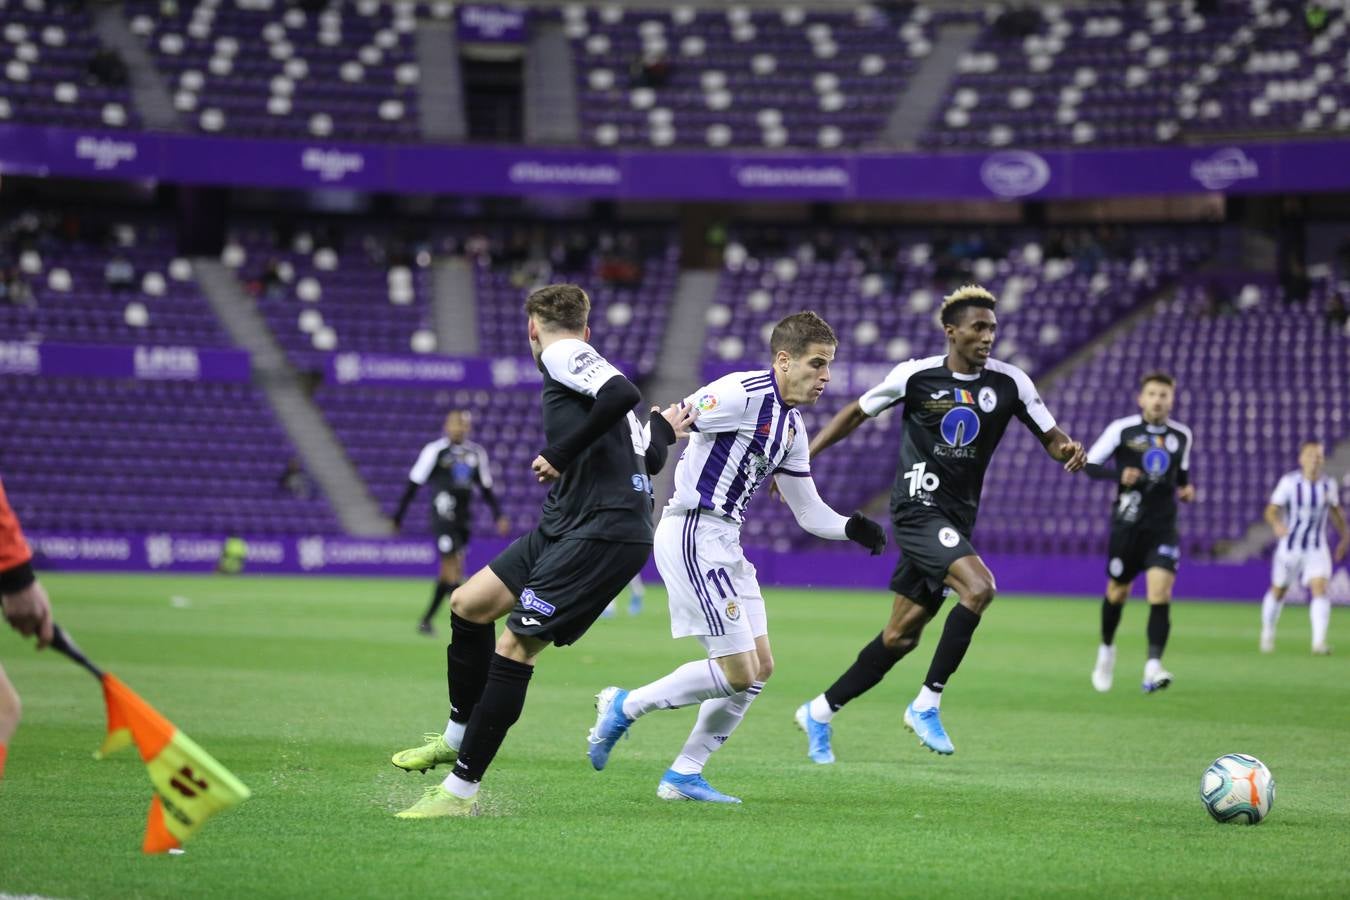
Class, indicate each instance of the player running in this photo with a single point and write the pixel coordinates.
(749, 429)
(956, 408)
(26, 608)
(1298, 511)
(594, 535)
(1149, 456)
(454, 465)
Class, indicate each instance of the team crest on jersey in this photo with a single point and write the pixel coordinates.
(733, 610)
(1171, 443)
(757, 466)
(708, 402)
(988, 399)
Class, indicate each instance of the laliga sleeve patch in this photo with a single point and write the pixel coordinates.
(708, 402)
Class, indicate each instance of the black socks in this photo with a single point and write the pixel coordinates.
(872, 664)
(467, 659)
(496, 711)
(952, 646)
(1159, 626)
(1110, 620)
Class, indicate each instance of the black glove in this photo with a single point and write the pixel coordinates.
(862, 530)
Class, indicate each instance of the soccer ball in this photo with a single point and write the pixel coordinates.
(1238, 788)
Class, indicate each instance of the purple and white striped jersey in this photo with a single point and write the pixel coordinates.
(1306, 505)
(744, 434)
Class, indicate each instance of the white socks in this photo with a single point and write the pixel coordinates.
(1106, 656)
(459, 787)
(691, 683)
(927, 699)
(454, 733)
(717, 719)
(1319, 610)
(819, 709)
(1270, 612)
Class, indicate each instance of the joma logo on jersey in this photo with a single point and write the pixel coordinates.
(531, 601)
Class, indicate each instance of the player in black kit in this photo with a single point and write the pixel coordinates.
(594, 535)
(1149, 457)
(956, 408)
(453, 465)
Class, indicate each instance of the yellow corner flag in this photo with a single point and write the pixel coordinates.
(190, 786)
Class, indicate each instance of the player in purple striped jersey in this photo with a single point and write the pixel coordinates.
(748, 430)
(1298, 512)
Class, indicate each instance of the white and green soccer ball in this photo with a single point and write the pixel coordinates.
(1238, 788)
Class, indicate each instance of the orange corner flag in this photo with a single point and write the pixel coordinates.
(190, 786)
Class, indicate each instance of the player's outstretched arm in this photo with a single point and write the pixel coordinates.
(664, 429)
(408, 493)
(1064, 449)
(815, 515)
(612, 402)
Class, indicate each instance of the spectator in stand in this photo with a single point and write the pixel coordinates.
(119, 274)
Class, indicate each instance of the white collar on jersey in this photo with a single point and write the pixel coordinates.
(961, 376)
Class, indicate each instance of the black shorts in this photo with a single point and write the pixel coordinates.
(1133, 550)
(929, 543)
(563, 585)
(451, 537)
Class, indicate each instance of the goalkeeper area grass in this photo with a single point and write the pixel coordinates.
(305, 687)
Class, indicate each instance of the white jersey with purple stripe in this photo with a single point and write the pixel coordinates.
(1306, 506)
(743, 436)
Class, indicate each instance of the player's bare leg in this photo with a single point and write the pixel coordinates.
(1271, 605)
(974, 585)
(1113, 604)
(1319, 612)
(450, 575)
(1160, 583)
(898, 638)
(474, 607)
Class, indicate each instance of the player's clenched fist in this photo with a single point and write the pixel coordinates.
(863, 531)
(544, 471)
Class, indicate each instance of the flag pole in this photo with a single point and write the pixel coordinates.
(62, 641)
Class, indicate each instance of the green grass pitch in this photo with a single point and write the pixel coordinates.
(304, 687)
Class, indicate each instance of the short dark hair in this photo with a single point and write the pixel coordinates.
(965, 297)
(1311, 442)
(797, 332)
(1158, 376)
(563, 307)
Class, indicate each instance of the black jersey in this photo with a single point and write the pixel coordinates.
(952, 425)
(452, 470)
(1162, 453)
(605, 493)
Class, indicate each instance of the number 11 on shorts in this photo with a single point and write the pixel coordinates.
(713, 576)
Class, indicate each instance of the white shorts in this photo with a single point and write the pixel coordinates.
(1304, 565)
(713, 592)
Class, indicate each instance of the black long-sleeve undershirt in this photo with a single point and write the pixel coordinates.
(612, 402)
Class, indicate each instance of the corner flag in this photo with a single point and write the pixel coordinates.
(190, 785)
